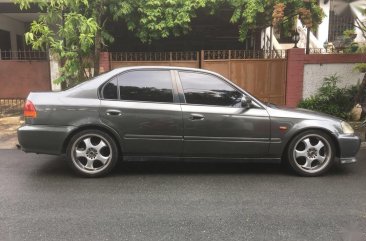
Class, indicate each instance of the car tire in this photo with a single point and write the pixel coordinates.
(92, 153)
(311, 153)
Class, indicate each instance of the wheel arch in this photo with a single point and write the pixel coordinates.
(298, 132)
(114, 135)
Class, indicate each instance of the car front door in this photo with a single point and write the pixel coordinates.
(143, 107)
(215, 123)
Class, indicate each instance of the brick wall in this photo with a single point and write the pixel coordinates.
(296, 60)
(18, 78)
(104, 63)
(295, 73)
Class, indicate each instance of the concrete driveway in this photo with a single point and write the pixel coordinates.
(8, 128)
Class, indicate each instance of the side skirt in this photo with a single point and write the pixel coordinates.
(200, 159)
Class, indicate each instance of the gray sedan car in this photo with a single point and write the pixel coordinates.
(172, 113)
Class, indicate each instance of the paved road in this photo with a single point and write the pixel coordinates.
(40, 199)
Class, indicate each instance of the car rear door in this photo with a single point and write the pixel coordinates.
(215, 123)
(143, 106)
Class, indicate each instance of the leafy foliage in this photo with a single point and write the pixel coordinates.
(74, 30)
(308, 11)
(353, 47)
(356, 48)
(154, 19)
(331, 99)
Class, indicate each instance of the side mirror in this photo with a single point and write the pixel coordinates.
(246, 102)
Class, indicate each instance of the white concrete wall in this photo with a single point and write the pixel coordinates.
(315, 73)
(54, 72)
(14, 27)
(358, 9)
(323, 28)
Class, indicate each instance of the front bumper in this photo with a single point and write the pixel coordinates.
(43, 139)
(349, 145)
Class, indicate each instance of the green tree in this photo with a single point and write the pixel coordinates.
(258, 14)
(353, 47)
(155, 19)
(74, 30)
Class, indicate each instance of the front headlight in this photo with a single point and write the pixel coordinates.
(347, 128)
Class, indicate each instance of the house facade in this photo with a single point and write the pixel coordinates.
(13, 24)
(340, 15)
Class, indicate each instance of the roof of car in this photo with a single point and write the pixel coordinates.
(89, 87)
(100, 79)
(163, 67)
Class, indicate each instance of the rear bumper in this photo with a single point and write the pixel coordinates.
(43, 139)
(349, 146)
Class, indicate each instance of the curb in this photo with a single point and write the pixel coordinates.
(363, 145)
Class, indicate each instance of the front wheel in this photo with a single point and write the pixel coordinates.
(311, 153)
(92, 153)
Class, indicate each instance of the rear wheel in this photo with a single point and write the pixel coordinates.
(311, 153)
(92, 153)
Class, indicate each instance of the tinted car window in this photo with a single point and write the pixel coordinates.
(110, 90)
(146, 85)
(206, 89)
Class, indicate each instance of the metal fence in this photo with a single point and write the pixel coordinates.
(243, 54)
(328, 51)
(23, 55)
(154, 56)
(194, 55)
(211, 55)
(11, 107)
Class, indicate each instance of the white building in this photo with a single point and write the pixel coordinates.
(340, 15)
(13, 25)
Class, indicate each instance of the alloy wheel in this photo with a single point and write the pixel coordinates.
(91, 153)
(312, 153)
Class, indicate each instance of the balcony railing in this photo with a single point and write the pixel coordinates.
(23, 55)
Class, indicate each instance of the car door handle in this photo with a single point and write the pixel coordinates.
(197, 117)
(114, 112)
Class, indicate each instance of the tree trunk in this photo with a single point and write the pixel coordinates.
(98, 38)
(97, 49)
(307, 51)
(359, 98)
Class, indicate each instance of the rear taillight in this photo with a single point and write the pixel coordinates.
(29, 109)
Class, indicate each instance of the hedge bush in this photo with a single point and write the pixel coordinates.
(331, 99)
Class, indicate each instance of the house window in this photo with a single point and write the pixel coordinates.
(340, 19)
(20, 42)
(5, 44)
